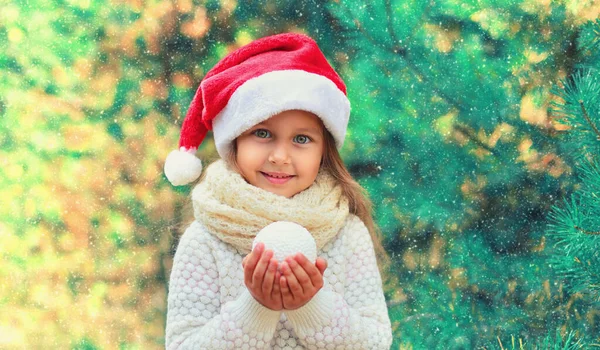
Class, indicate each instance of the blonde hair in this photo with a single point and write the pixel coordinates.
(360, 203)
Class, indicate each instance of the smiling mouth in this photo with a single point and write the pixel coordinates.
(277, 176)
(277, 179)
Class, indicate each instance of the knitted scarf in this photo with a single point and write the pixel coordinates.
(235, 211)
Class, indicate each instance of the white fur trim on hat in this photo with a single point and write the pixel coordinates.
(182, 166)
(271, 93)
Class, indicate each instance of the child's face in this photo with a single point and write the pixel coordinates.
(288, 145)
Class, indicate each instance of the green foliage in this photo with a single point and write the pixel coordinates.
(573, 228)
(84, 344)
(450, 137)
(590, 37)
(416, 106)
(551, 341)
(580, 109)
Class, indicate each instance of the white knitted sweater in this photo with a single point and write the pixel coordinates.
(209, 306)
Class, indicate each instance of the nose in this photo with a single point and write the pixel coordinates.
(279, 154)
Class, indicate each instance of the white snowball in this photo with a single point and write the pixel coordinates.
(287, 238)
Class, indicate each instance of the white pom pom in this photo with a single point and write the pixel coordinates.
(182, 167)
(287, 238)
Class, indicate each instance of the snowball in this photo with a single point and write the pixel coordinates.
(286, 238)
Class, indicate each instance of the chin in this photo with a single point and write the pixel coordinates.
(281, 192)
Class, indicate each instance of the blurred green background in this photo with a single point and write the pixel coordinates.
(451, 132)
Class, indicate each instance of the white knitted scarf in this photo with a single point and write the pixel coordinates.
(235, 211)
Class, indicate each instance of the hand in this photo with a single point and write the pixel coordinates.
(301, 280)
(261, 277)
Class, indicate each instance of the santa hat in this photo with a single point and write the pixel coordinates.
(251, 84)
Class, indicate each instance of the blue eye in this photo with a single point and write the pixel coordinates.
(302, 139)
(262, 133)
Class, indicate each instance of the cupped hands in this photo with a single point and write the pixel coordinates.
(286, 286)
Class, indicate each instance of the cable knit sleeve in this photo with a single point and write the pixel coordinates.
(195, 317)
(359, 318)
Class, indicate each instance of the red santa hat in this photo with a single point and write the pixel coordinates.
(251, 84)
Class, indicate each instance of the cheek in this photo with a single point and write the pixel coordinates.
(250, 158)
(244, 157)
(312, 163)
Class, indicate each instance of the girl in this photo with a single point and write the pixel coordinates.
(279, 114)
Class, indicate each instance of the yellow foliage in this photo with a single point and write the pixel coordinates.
(102, 89)
(15, 35)
(84, 137)
(198, 26)
(444, 124)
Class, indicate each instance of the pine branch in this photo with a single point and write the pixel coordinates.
(396, 49)
(587, 118)
(425, 315)
(590, 275)
(362, 30)
(586, 231)
(471, 136)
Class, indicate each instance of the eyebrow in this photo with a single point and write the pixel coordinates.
(313, 130)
